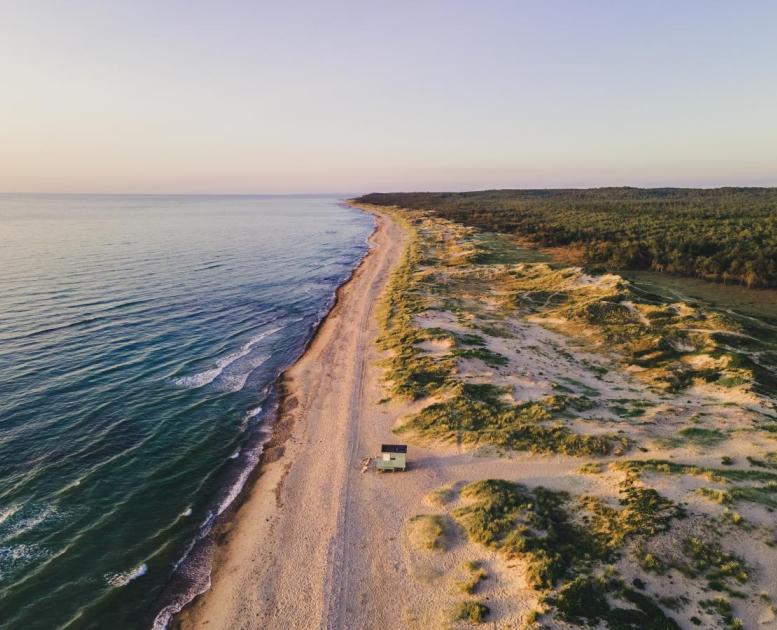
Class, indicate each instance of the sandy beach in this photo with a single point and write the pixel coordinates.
(286, 559)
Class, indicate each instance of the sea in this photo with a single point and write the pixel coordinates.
(141, 338)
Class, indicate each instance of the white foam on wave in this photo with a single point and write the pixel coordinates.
(252, 457)
(202, 582)
(13, 557)
(205, 377)
(249, 416)
(8, 512)
(197, 380)
(166, 614)
(117, 580)
(73, 484)
(230, 381)
(15, 527)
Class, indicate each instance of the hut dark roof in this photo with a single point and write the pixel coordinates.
(393, 448)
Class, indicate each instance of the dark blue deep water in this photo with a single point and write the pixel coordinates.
(140, 337)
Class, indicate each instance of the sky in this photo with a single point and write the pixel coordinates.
(170, 96)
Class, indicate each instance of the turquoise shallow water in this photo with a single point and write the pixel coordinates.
(139, 340)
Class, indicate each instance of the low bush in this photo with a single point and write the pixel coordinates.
(427, 532)
(473, 576)
(471, 611)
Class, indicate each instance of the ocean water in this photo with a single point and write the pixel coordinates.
(140, 337)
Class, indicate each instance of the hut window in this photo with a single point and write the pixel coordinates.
(386, 457)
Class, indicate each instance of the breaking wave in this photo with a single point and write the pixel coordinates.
(234, 382)
(117, 580)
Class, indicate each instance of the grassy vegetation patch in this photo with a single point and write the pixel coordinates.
(476, 416)
(769, 461)
(722, 607)
(411, 373)
(472, 611)
(537, 526)
(765, 494)
(588, 391)
(566, 546)
(495, 330)
(708, 559)
(489, 357)
(586, 601)
(643, 512)
(473, 575)
(697, 437)
(443, 495)
(428, 532)
(591, 468)
(713, 474)
(530, 524)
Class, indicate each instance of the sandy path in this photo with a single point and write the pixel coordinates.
(286, 556)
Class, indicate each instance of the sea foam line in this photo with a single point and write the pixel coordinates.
(201, 580)
(201, 379)
(118, 580)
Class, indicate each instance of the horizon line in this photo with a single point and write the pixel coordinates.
(350, 195)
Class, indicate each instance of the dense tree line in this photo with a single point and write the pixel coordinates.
(723, 234)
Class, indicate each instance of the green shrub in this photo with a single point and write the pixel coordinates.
(711, 561)
(471, 611)
(474, 575)
(582, 601)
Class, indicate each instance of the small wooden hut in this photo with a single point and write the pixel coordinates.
(392, 457)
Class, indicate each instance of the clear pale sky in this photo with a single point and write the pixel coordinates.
(190, 96)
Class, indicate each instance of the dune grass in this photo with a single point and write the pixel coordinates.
(472, 611)
(531, 524)
(695, 437)
(586, 601)
(713, 474)
(428, 532)
(475, 415)
(473, 576)
(565, 546)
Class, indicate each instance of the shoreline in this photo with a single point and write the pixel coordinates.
(261, 491)
(205, 550)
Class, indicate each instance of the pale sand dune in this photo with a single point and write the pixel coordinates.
(320, 544)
